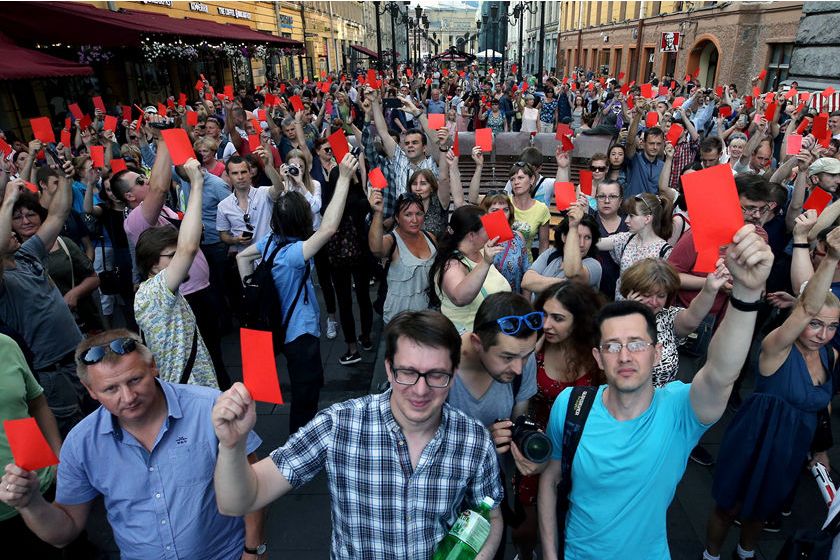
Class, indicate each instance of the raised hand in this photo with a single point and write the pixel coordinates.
(348, 166)
(749, 259)
(234, 415)
(18, 486)
(491, 249)
(375, 200)
(803, 224)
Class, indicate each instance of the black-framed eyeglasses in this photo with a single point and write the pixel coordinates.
(436, 379)
(512, 324)
(497, 192)
(752, 210)
(641, 199)
(634, 346)
(520, 164)
(119, 346)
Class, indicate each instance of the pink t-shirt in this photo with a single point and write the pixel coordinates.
(135, 224)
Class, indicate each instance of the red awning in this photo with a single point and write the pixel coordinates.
(366, 51)
(18, 63)
(81, 24)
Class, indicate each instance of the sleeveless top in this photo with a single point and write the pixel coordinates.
(463, 317)
(408, 279)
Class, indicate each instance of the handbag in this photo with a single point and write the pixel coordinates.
(110, 281)
(811, 544)
(344, 248)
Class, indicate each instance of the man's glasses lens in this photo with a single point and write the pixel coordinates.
(120, 346)
(436, 379)
(513, 324)
(634, 346)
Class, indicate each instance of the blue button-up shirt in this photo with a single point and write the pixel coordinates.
(642, 175)
(162, 504)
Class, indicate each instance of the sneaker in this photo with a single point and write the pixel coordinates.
(701, 456)
(787, 512)
(332, 328)
(365, 343)
(350, 358)
(773, 525)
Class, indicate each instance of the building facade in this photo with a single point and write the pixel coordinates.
(720, 42)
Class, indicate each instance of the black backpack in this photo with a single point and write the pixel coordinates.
(261, 305)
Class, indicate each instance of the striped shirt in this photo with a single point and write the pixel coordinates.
(382, 507)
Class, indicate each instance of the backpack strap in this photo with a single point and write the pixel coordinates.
(577, 411)
(629, 239)
(556, 254)
(664, 250)
(188, 366)
(517, 384)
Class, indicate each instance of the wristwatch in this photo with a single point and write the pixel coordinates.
(259, 551)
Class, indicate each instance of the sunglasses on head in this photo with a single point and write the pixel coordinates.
(641, 199)
(119, 346)
(512, 324)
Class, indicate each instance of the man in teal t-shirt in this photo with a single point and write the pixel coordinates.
(636, 441)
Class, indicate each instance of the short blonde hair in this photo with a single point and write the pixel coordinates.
(649, 276)
(107, 337)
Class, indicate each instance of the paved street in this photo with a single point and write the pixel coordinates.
(298, 525)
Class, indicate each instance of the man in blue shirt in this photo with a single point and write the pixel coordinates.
(643, 168)
(149, 450)
(640, 436)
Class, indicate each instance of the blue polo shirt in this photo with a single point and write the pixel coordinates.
(642, 175)
(162, 504)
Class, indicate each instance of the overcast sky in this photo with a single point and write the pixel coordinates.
(469, 5)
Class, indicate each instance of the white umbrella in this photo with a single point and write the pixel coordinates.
(489, 53)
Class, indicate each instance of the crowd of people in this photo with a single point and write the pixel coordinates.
(122, 272)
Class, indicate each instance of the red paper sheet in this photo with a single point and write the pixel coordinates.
(651, 119)
(748, 101)
(663, 90)
(377, 179)
(199, 85)
(725, 111)
(182, 99)
(624, 89)
(565, 80)
(674, 133)
(28, 445)
(253, 142)
(192, 118)
(762, 74)
(436, 121)
(719, 91)
(756, 92)
(338, 143)
(456, 147)
(770, 111)
(31, 187)
(769, 96)
(794, 144)
(446, 72)
(828, 92)
(564, 195)
(563, 130)
(228, 91)
(85, 123)
(647, 91)
(97, 156)
(297, 103)
(484, 139)
(99, 104)
(66, 137)
(715, 212)
(566, 143)
(620, 76)
(161, 109)
(790, 94)
(678, 101)
(110, 123)
(170, 103)
(820, 125)
(179, 145)
(259, 368)
(802, 126)
(117, 165)
(586, 182)
(76, 111)
(817, 200)
(496, 225)
(126, 113)
(42, 129)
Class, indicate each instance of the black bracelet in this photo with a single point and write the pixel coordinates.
(746, 306)
(801, 245)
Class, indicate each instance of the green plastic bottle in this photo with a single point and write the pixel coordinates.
(467, 535)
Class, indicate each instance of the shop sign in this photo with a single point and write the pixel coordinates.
(238, 14)
(199, 7)
(167, 3)
(670, 42)
(286, 21)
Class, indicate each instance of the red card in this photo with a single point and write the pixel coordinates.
(117, 165)
(179, 145)
(678, 101)
(564, 195)
(496, 225)
(199, 85)
(620, 76)
(31, 187)
(770, 111)
(794, 144)
(820, 125)
(651, 119)
(208, 96)
(719, 91)
(673, 84)
(663, 90)
(484, 139)
(456, 148)
(715, 212)
(253, 141)
(66, 138)
(182, 99)
(802, 126)
(170, 103)
(586, 182)
(513, 69)
(282, 88)
(28, 445)
(259, 368)
(565, 80)
(228, 90)
(126, 113)
(428, 81)
(647, 91)
(97, 156)
(748, 101)
(323, 73)
(377, 179)
(110, 123)
(566, 143)
(762, 74)
(725, 111)
(42, 129)
(769, 96)
(446, 71)
(562, 130)
(818, 200)
(297, 103)
(624, 89)
(674, 133)
(436, 121)
(85, 122)
(338, 143)
(590, 86)
(687, 78)
(161, 109)
(98, 104)
(76, 111)
(790, 93)
(756, 92)
(408, 72)
(525, 87)
(256, 125)
(192, 118)
(827, 92)
(825, 141)
(5, 148)
(372, 79)
(696, 73)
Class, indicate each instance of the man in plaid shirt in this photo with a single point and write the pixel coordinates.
(402, 464)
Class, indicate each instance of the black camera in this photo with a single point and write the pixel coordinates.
(534, 445)
(294, 170)
(168, 122)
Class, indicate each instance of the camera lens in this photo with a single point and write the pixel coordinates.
(534, 445)
(294, 171)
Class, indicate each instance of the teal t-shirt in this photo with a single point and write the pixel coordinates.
(625, 473)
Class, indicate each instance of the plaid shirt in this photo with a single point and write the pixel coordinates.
(397, 171)
(684, 153)
(382, 508)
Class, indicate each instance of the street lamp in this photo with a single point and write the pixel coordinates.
(478, 34)
(393, 9)
(519, 14)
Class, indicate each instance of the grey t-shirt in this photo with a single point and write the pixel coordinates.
(555, 267)
(497, 402)
(32, 305)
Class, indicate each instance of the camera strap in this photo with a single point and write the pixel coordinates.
(577, 411)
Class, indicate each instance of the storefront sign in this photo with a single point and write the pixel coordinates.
(670, 42)
(167, 3)
(199, 7)
(286, 21)
(238, 14)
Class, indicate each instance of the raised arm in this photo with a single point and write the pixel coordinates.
(801, 267)
(462, 286)
(189, 234)
(455, 185)
(335, 209)
(388, 143)
(89, 207)
(665, 176)
(572, 259)
(59, 208)
(159, 182)
(379, 243)
(475, 183)
(687, 320)
(748, 260)
(630, 146)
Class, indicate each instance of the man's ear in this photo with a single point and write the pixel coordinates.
(475, 340)
(598, 359)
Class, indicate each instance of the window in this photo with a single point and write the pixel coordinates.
(655, 9)
(617, 62)
(636, 9)
(622, 11)
(779, 66)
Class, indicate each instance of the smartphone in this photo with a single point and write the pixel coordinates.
(391, 103)
(247, 234)
(55, 155)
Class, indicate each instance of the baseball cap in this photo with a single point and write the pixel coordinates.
(825, 165)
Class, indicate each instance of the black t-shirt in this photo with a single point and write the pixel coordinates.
(112, 222)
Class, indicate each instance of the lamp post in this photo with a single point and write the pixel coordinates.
(484, 20)
(393, 9)
(519, 14)
(541, 46)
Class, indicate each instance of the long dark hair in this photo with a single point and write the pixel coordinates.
(583, 303)
(464, 220)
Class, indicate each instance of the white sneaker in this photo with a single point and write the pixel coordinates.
(332, 328)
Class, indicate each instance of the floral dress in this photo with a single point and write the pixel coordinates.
(628, 249)
(496, 123)
(513, 262)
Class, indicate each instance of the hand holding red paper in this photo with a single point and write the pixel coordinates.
(564, 195)
(377, 179)
(496, 225)
(259, 369)
(28, 445)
